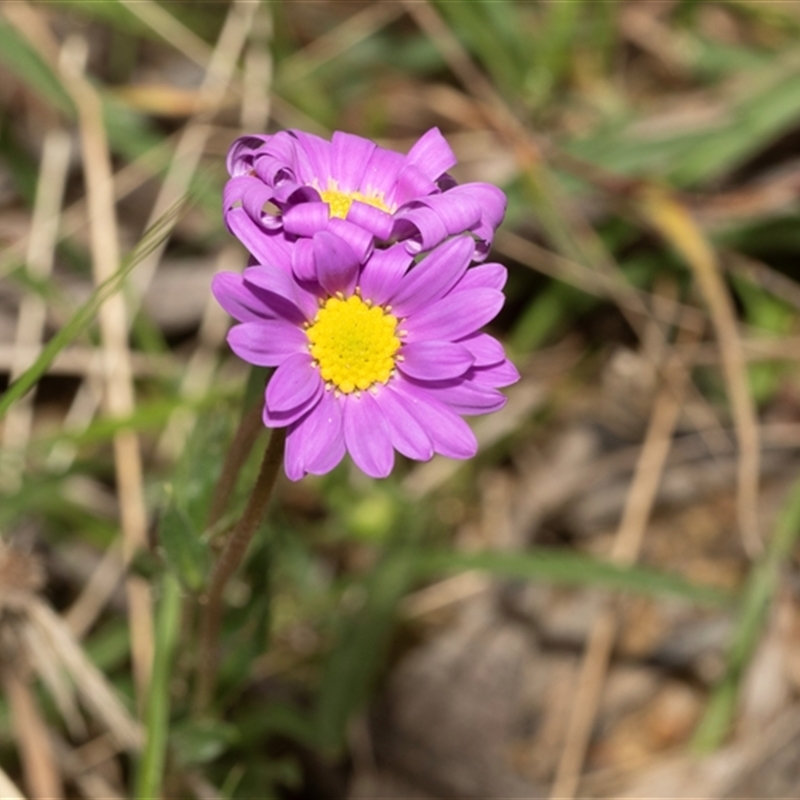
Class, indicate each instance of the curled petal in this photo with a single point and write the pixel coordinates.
(266, 247)
(240, 155)
(366, 435)
(420, 228)
(303, 264)
(306, 219)
(371, 219)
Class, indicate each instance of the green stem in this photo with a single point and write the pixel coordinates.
(151, 766)
(228, 563)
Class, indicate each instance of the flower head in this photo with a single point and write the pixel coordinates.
(288, 188)
(372, 356)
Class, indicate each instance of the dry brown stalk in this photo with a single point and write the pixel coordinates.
(674, 223)
(625, 551)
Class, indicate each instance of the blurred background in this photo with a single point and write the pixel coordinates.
(605, 602)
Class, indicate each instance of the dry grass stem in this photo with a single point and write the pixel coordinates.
(42, 776)
(88, 606)
(675, 224)
(33, 310)
(113, 320)
(194, 136)
(625, 551)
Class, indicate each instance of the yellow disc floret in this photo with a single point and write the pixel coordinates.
(339, 202)
(353, 343)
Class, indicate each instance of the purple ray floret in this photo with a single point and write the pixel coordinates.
(291, 187)
(372, 354)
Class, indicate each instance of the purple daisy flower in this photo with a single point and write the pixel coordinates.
(290, 187)
(373, 356)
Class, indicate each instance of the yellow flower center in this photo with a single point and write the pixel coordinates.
(339, 202)
(353, 343)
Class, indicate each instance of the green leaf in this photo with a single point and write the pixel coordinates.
(201, 741)
(185, 550)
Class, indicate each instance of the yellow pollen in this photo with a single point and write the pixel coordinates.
(339, 202)
(353, 344)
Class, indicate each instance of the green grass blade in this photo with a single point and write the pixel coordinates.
(151, 766)
(761, 586)
(573, 569)
(85, 314)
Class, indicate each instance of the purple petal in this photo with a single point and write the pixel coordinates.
(451, 436)
(306, 219)
(267, 247)
(293, 384)
(313, 158)
(350, 155)
(303, 264)
(497, 375)
(372, 219)
(366, 434)
(240, 154)
(486, 276)
(381, 173)
(485, 349)
(267, 343)
(336, 263)
(315, 443)
(412, 183)
(465, 397)
(492, 203)
(382, 273)
(433, 277)
(406, 434)
(237, 299)
(420, 228)
(434, 361)
(429, 221)
(431, 154)
(282, 293)
(455, 316)
(360, 240)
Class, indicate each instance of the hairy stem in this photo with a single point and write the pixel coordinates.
(229, 561)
